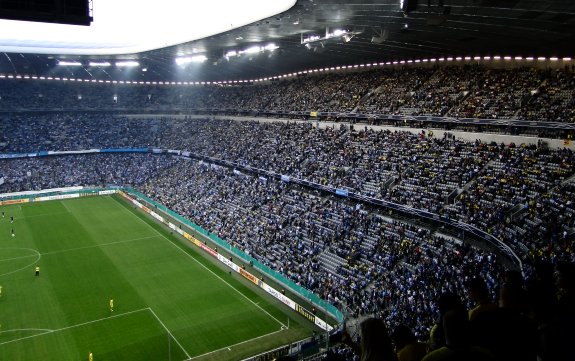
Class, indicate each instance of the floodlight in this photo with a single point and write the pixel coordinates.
(198, 58)
(69, 63)
(271, 47)
(252, 50)
(127, 64)
(100, 63)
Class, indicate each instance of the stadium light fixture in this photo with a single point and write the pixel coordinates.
(69, 63)
(127, 64)
(271, 47)
(100, 63)
(251, 50)
(191, 59)
(566, 59)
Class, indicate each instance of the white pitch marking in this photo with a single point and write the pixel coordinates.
(76, 325)
(47, 330)
(234, 345)
(169, 332)
(204, 266)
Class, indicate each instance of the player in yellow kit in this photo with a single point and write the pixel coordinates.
(90, 357)
(111, 305)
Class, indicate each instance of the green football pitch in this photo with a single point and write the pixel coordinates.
(170, 301)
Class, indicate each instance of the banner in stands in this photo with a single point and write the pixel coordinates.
(157, 216)
(206, 248)
(68, 152)
(188, 237)
(228, 263)
(305, 313)
(11, 156)
(124, 150)
(250, 277)
(321, 324)
(341, 192)
(13, 201)
(58, 196)
(106, 192)
(279, 296)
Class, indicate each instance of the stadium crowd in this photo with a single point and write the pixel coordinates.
(465, 91)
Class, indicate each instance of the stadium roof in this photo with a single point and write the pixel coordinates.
(328, 33)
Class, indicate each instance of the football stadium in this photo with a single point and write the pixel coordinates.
(287, 180)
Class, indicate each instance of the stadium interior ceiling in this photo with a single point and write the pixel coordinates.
(327, 33)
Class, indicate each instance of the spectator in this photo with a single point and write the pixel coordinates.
(407, 346)
(458, 345)
(479, 293)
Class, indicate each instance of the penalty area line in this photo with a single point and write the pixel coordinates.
(169, 332)
(229, 348)
(74, 326)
